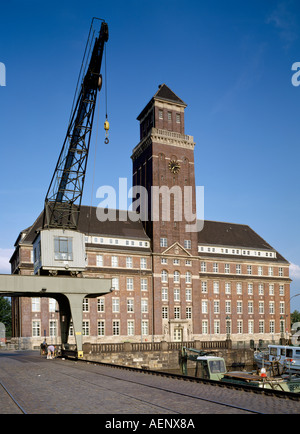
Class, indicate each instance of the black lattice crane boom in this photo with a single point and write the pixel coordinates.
(63, 199)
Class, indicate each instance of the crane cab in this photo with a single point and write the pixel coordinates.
(59, 251)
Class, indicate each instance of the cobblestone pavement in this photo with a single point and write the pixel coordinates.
(68, 387)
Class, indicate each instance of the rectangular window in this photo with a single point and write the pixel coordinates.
(99, 260)
(204, 287)
(260, 270)
(36, 328)
(188, 313)
(130, 328)
(129, 262)
(239, 288)
(116, 328)
(250, 288)
(239, 307)
(85, 328)
(260, 289)
(63, 250)
(205, 327)
(238, 269)
(177, 312)
(250, 326)
(249, 269)
(227, 306)
(261, 307)
(85, 305)
(35, 304)
(101, 328)
(271, 289)
(53, 328)
(144, 305)
(216, 327)
(164, 294)
(115, 283)
(177, 118)
(188, 294)
(52, 305)
(100, 304)
(129, 281)
(227, 268)
(216, 287)
(270, 271)
(281, 289)
(176, 294)
(160, 114)
(187, 244)
(115, 305)
(145, 328)
(130, 305)
(216, 306)
(227, 288)
(250, 307)
(114, 261)
(165, 312)
(204, 306)
(203, 267)
(144, 284)
(143, 263)
(163, 242)
(240, 326)
(272, 326)
(215, 267)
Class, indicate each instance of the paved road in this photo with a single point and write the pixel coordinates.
(68, 387)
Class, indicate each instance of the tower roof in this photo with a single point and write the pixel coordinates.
(164, 93)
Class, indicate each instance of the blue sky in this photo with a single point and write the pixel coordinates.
(229, 61)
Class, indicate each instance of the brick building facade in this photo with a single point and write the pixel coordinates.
(170, 282)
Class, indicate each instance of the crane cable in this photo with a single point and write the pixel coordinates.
(106, 123)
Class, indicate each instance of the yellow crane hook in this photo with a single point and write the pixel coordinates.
(106, 127)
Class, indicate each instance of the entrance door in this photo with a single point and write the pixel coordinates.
(178, 335)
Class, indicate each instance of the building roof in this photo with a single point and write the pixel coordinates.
(233, 235)
(213, 233)
(164, 93)
(90, 225)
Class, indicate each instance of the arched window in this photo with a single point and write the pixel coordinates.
(164, 276)
(176, 277)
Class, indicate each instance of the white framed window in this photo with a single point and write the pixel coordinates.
(163, 261)
(85, 305)
(227, 288)
(99, 260)
(272, 326)
(260, 289)
(100, 304)
(280, 271)
(164, 294)
(188, 312)
(116, 328)
(163, 242)
(169, 116)
(249, 269)
(216, 306)
(216, 327)
(85, 328)
(145, 327)
(250, 307)
(188, 263)
(227, 306)
(36, 328)
(188, 294)
(281, 289)
(239, 306)
(53, 328)
(177, 312)
(187, 244)
(143, 263)
(176, 262)
(130, 328)
(144, 284)
(227, 268)
(144, 305)
(176, 294)
(250, 288)
(52, 305)
(204, 306)
(116, 305)
(239, 326)
(129, 283)
(114, 261)
(115, 283)
(177, 118)
(188, 277)
(130, 305)
(270, 271)
(204, 327)
(204, 287)
(216, 287)
(250, 326)
(164, 276)
(271, 289)
(271, 307)
(176, 277)
(203, 267)
(261, 307)
(160, 114)
(261, 326)
(215, 267)
(101, 328)
(165, 312)
(128, 262)
(281, 307)
(35, 304)
(260, 270)
(238, 269)
(239, 288)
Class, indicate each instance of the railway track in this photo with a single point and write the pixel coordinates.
(14, 401)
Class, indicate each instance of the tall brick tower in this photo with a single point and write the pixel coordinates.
(163, 163)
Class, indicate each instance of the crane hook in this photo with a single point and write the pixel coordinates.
(106, 127)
